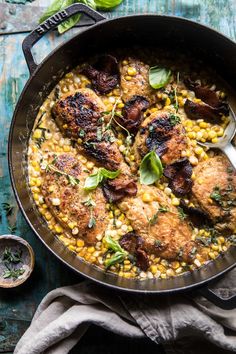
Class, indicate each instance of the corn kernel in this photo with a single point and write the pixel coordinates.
(221, 240)
(198, 150)
(214, 140)
(215, 247)
(79, 141)
(167, 102)
(203, 125)
(146, 197)
(66, 148)
(90, 165)
(91, 249)
(175, 264)
(37, 134)
(212, 255)
(71, 225)
(212, 134)
(125, 62)
(36, 196)
(58, 229)
(48, 216)
(163, 276)
(193, 160)
(192, 135)
(131, 71)
(175, 201)
(120, 105)
(128, 78)
(80, 243)
(72, 248)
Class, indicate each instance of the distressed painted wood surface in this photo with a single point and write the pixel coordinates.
(17, 306)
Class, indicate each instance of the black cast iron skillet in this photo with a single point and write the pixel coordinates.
(142, 30)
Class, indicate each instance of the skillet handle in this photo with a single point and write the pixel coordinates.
(50, 24)
(224, 303)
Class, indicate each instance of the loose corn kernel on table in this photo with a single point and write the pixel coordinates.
(17, 306)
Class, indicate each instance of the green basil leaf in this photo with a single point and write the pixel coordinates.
(93, 180)
(150, 169)
(112, 244)
(118, 257)
(107, 4)
(55, 6)
(72, 21)
(159, 77)
(58, 5)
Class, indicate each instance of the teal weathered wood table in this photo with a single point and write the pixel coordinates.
(17, 306)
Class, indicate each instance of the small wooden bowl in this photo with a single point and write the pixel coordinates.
(16, 243)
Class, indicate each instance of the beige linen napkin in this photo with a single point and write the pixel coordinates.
(181, 323)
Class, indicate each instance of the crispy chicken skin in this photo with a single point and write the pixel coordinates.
(78, 115)
(76, 111)
(164, 233)
(158, 133)
(214, 189)
(139, 84)
(66, 201)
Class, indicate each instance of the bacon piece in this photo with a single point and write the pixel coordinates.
(133, 244)
(118, 188)
(206, 95)
(179, 174)
(204, 111)
(104, 74)
(132, 113)
(197, 216)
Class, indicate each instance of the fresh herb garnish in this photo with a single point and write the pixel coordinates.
(216, 195)
(158, 77)
(95, 179)
(99, 133)
(193, 251)
(13, 273)
(81, 133)
(119, 255)
(107, 5)
(153, 219)
(90, 203)
(58, 5)
(174, 119)
(92, 222)
(71, 179)
(8, 208)
(158, 243)
(150, 169)
(163, 209)
(182, 214)
(11, 257)
(176, 105)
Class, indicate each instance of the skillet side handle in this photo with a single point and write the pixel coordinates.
(224, 303)
(51, 23)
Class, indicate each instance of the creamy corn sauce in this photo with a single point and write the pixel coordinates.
(47, 141)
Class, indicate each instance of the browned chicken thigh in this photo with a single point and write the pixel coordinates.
(137, 84)
(82, 213)
(160, 132)
(159, 224)
(79, 116)
(214, 190)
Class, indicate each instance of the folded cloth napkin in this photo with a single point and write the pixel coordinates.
(183, 324)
